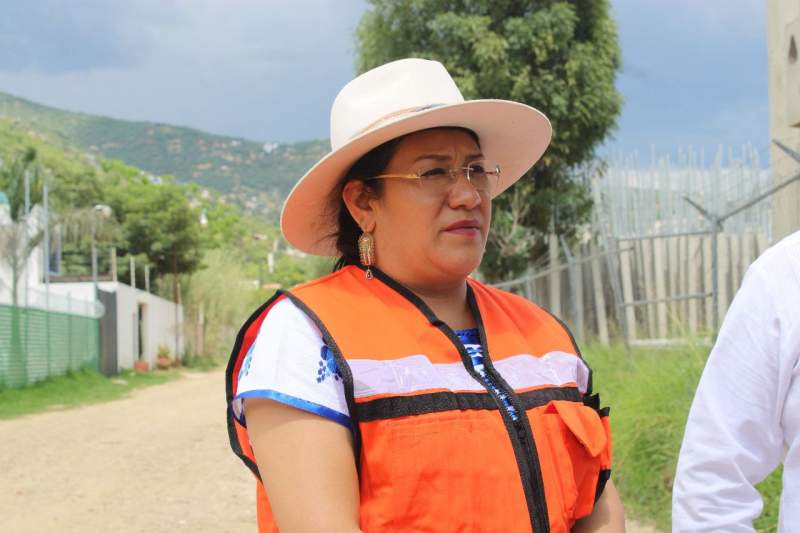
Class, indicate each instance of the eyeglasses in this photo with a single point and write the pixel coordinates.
(441, 180)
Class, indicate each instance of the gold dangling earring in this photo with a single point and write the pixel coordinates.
(366, 251)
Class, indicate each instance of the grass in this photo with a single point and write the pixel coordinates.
(202, 363)
(74, 389)
(650, 393)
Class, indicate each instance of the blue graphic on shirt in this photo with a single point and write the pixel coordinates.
(327, 366)
(248, 359)
(471, 340)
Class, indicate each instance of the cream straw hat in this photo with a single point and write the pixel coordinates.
(392, 100)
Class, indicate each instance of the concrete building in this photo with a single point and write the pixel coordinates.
(783, 33)
(133, 325)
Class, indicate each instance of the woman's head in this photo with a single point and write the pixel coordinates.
(430, 230)
(389, 102)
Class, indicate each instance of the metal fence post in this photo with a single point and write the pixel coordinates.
(715, 274)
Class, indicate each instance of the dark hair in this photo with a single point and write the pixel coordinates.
(371, 164)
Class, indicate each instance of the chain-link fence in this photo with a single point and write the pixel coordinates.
(36, 344)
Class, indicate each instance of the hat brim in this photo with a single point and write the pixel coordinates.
(512, 135)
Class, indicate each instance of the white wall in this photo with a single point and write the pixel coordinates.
(781, 16)
(160, 329)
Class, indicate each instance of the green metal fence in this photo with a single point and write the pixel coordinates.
(36, 344)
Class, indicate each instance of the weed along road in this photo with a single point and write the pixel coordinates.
(155, 461)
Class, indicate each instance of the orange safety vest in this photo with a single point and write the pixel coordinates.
(435, 448)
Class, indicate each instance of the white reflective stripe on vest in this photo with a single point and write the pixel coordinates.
(417, 373)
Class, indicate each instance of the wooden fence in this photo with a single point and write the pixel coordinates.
(646, 289)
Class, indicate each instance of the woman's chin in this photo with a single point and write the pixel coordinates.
(461, 266)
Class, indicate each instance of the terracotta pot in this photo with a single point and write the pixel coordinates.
(141, 366)
(163, 363)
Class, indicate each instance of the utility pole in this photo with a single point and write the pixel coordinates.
(46, 260)
(26, 226)
(94, 258)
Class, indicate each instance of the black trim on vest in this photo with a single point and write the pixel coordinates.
(237, 346)
(436, 402)
(541, 397)
(347, 376)
(537, 502)
(602, 479)
(534, 496)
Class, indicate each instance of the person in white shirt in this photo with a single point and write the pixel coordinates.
(745, 418)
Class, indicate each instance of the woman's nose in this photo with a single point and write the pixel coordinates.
(463, 193)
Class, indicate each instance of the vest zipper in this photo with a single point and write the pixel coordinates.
(537, 503)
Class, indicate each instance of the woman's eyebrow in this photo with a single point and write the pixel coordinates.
(442, 157)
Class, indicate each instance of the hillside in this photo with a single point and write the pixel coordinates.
(238, 168)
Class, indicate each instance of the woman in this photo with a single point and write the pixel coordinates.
(397, 394)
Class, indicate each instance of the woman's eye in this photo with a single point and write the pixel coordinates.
(434, 172)
(476, 168)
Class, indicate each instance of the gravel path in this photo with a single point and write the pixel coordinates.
(157, 461)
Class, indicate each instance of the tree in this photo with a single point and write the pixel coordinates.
(156, 220)
(81, 228)
(12, 182)
(558, 56)
(21, 236)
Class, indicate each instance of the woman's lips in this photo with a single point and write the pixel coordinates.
(464, 227)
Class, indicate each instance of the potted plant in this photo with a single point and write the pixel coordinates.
(163, 359)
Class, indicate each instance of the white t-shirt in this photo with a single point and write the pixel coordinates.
(289, 363)
(745, 418)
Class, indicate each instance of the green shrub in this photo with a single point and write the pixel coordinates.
(650, 392)
(201, 362)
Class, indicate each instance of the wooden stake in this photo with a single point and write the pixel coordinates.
(661, 286)
(555, 277)
(649, 285)
(693, 262)
(599, 297)
(627, 289)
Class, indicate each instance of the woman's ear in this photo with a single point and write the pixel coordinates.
(356, 196)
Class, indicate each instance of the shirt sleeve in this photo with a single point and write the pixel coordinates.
(733, 436)
(289, 363)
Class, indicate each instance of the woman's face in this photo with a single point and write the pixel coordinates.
(424, 235)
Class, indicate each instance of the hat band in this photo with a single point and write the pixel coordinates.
(392, 116)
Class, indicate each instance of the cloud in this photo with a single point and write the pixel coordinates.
(261, 69)
(53, 36)
(270, 69)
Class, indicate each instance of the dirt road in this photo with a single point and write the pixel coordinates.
(157, 461)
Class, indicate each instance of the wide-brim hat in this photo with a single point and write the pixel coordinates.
(393, 100)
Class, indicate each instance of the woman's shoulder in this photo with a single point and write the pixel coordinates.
(285, 317)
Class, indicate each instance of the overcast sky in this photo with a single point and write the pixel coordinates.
(695, 72)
